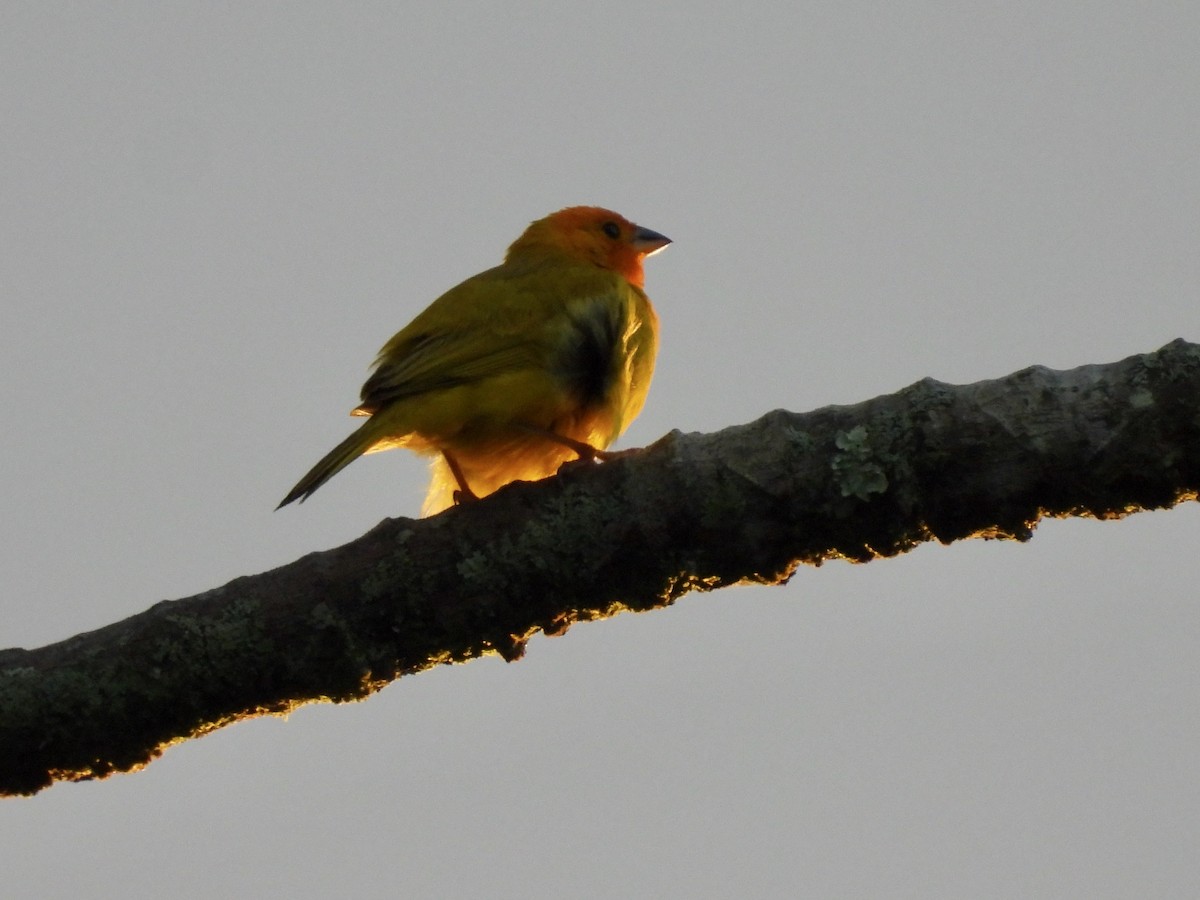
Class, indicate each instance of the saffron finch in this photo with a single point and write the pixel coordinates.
(542, 359)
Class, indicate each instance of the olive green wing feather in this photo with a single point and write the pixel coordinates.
(496, 322)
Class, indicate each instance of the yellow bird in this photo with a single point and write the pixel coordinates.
(520, 368)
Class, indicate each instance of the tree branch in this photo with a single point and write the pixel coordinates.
(691, 512)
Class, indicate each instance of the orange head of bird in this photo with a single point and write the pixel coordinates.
(594, 235)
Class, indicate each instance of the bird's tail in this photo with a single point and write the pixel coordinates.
(359, 442)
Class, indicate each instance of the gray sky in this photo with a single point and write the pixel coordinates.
(213, 218)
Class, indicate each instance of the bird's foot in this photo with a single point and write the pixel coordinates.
(463, 497)
(610, 455)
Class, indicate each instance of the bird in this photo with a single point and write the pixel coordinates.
(521, 368)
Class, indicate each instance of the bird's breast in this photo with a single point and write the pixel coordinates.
(591, 349)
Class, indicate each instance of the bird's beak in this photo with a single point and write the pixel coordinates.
(649, 242)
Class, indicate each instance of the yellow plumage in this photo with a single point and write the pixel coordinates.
(520, 368)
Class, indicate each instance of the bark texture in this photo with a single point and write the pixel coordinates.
(691, 512)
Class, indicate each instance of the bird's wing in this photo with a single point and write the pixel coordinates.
(431, 362)
(496, 322)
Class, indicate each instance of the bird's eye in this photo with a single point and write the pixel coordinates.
(612, 230)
